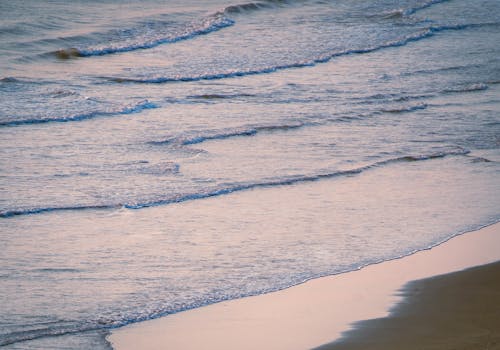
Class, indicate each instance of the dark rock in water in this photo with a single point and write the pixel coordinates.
(66, 54)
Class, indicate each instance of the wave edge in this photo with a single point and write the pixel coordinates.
(421, 34)
(218, 191)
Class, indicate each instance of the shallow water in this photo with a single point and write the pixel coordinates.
(158, 157)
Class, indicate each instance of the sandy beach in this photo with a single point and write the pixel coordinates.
(458, 311)
(322, 310)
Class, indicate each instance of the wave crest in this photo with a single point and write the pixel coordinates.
(236, 187)
(421, 34)
(206, 25)
(467, 88)
(135, 108)
(405, 12)
(226, 133)
(253, 6)
(406, 109)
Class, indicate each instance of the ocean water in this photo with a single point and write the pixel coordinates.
(157, 156)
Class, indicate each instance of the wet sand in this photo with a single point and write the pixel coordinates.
(320, 311)
(459, 311)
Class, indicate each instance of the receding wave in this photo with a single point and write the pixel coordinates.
(422, 34)
(207, 25)
(237, 187)
(226, 133)
(136, 108)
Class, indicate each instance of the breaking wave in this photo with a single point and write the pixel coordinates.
(211, 23)
(207, 25)
(422, 34)
(468, 88)
(136, 108)
(255, 6)
(237, 187)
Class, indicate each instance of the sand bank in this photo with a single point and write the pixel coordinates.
(310, 314)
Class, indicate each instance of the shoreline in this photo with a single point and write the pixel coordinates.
(458, 311)
(311, 314)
